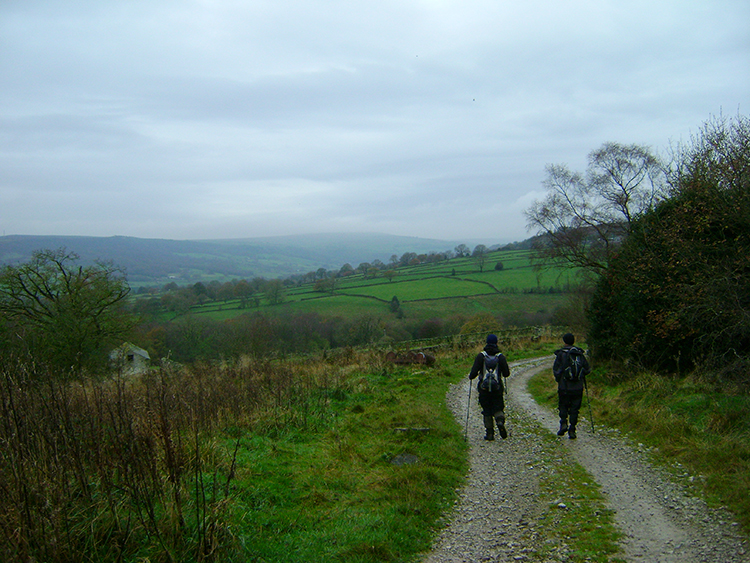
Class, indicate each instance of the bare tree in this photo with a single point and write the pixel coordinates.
(462, 250)
(584, 217)
(480, 255)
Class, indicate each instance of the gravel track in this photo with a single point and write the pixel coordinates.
(496, 517)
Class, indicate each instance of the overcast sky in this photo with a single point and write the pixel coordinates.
(433, 118)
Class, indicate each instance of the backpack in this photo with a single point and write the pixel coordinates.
(573, 364)
(490, 380)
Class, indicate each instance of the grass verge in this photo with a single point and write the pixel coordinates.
(344, 459)
(577, 522)
(369, 486)
(696, 428)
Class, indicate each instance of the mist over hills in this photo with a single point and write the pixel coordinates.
(155, 261)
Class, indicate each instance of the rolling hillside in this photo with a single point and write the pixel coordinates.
(156, 261)
(454, 288)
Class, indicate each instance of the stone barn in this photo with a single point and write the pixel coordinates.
(130, 359)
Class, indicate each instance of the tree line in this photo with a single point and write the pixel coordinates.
(68, 317)
(664, 248)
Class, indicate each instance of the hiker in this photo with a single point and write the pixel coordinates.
(491, 366)
(570, 370)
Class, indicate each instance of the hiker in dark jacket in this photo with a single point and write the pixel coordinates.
(491, 401)
(569, 393)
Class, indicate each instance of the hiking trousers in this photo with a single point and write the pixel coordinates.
(569, 403)
(492, 403)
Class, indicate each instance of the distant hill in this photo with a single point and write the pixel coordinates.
(157, 261)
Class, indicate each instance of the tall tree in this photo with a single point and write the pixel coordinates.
(243, 290)
(462, 250)
(275, 291)
(678, 291)
(64, 314)
(584, 217)
(480, 255)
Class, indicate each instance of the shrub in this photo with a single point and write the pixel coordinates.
(677, 293)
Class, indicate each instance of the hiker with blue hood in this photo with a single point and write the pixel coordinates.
(491, 367)
(570, 370)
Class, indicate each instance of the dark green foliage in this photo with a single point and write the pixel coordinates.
(198, 338)
(395, 305)
(431, 328)
(63, 315)
(677, 293)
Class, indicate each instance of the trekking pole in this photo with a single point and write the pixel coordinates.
(588, 401)
(468, 406)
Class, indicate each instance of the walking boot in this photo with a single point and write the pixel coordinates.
(572, 432)
(489, 426)
(500, 420)
(563, 428)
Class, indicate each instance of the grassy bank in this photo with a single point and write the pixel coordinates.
(694, 426)
(344, 458)
(367, 486)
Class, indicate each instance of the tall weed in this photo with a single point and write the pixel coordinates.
(170, 466)
(109, 469)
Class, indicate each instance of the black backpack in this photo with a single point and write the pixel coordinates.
(490, 380)
(573, 364)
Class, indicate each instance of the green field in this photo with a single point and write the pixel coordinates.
(441, 289)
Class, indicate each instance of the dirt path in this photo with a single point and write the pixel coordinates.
(496, 516)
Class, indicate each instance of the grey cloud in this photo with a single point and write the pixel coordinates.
(209, 120)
